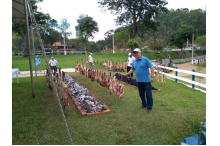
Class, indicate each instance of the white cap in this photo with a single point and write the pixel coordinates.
(136, 50)
(90, 53)
(129, 54)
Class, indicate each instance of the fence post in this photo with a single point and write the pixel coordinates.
(193, 79)
(176, 75)
(163, 71)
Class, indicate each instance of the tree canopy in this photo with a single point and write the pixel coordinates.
(201, 40)
(180, 36)
(132, 44)
(86, 27)
(44, 22)
(138, 14)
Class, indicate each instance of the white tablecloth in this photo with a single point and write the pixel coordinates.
(15, 72)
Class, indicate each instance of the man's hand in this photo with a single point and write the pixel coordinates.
(123, 75)
(151, 80)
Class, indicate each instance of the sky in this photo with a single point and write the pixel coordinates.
(71, 9)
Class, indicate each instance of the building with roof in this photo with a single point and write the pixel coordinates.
(58, 46)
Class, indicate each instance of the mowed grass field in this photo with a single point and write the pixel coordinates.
(69, 61)
(177, 113)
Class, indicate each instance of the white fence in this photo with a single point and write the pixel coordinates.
(193, 82)
(195, 59)
(185, 49)
(48, 53)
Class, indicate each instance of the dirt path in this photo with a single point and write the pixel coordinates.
(42, 73)
(189, 67)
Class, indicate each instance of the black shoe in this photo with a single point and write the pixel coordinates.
(142, 107)
(152, 88)
(149, 111)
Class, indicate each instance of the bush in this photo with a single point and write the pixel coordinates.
(132, 44)
(200, 52)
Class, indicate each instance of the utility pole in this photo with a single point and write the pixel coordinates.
(113, 40)
(187, 43)
(192, 46)
(64, 43)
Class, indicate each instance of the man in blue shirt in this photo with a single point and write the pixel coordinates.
(144, 78)
(37, 61)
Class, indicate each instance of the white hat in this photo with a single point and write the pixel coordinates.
(90, 53)
(136, 50)
(129, 54)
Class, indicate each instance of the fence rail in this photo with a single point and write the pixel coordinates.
(196, 59)
(181, 78)
(48, 53)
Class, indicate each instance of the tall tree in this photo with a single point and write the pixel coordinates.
(109, 38)
(86, 28)
(16, 41)
(121, 37)
(136, 14)
(93, 47)
(180, 36)
(132, 44)
(43, 21)
(197, 19)
(201, 40)
(51, 36)
(63, 29)
(102, 44)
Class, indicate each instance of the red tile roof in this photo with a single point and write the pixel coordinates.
(58, 44)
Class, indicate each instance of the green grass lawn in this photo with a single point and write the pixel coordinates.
(202, 64)
(69, 61)
(200, 52)
(172, 55)
(188, 52)
(177, 113)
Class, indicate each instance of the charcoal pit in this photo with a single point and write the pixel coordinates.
(85, 101)
(132, 82)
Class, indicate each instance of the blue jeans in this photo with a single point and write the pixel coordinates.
(145, 87)
(90, 65)
(54, 68)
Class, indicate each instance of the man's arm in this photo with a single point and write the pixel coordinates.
(130, 72)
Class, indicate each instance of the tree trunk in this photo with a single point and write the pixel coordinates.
(24, 45)
(24, 42)
(124, 48)
(64, 45)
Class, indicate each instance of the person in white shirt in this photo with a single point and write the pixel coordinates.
(130, 62)
(53, 64)
(90, 60)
